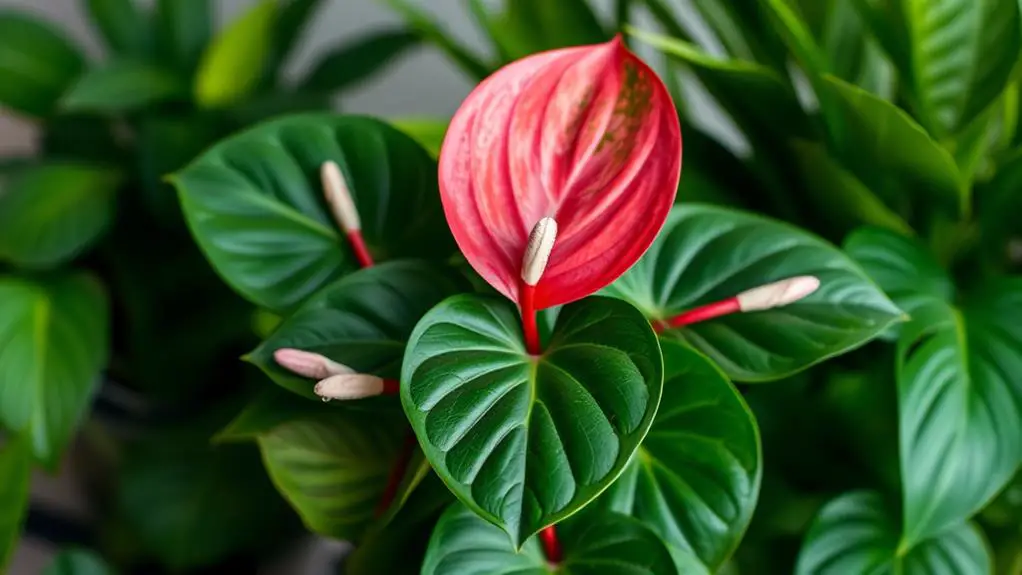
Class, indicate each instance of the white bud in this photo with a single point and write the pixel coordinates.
(778, 294)
(339, 197)
(309, 364)
(537, 252)
(349, 386)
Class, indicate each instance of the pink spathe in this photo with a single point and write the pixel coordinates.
(588, 136)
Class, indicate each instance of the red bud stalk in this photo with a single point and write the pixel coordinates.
(343, 206)
(769, 296)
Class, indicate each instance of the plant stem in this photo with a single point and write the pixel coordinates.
(529, 327)
(708, 311)
(397, 473)
(359, 246)
(551, 546)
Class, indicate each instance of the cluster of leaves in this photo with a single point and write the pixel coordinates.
(101, 287)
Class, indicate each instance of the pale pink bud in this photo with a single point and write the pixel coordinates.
(309, 364)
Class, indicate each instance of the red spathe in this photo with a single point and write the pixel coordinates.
(586, 135)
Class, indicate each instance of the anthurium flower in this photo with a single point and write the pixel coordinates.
(585, 136)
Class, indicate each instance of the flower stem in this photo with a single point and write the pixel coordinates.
(551, 546)
(358, 244)
(397, 473)
(706, 312)
(529, 327)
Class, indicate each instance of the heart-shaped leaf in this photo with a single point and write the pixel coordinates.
(51, 213)
(121, 86)
(856, 533)
(695, 479)
(597, 544)
(55, 334)
(362, 321)
(15, 469)
(526, 441)
(255, 204)
(37, 64)
(706, 254)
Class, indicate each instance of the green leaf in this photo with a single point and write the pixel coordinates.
(166, 143)
(52, 213)
(37, 63)
(695, 479)
(255, 206)
(429, 133)
(527, 441)
(878, 139)
(611, 544)
(353, 62)
(838, 196)
(78, 562)
(960, 406)
(755, 96)
(429, 30)
(126, 30)
(183, 29)
(291, 23)
(193, 505)
(55, 332)
(530, 26)
(742, 28)
(706, 254)
(363, 321)
(854, 56)
(856, 533)
(16, 470)
(235, 61)
(122, 86)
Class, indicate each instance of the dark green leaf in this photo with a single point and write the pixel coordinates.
(706, 254)
(530, 26)
(122, 86)
(126, 30)
(192, 504)
(255, 206)
(292, 22)
(235, 61)
(429, 30)
(37, 63)
(362, 321)
(183, 28)
(960, 406)
(166, 143)
(55, 332)
(743, 29)
(83, 137)
(527, 441)
(78, 562)
(15, 469)
(856, 533)
(755, 96)
(52, 213)
(877, 139)
(604, 544)
(854, 56)
(353, 62)
(428, 133)
(695, 479)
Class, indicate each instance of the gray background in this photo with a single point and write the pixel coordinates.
(421, 84)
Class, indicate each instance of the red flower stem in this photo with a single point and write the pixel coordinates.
(397, 473)
(529, 327)
(551, 546)
(391, 387)
(708, 311)
(358, 244)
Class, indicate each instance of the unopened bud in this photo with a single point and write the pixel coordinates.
(309, 364)
(778, 294)
(339, 197)
(537, 252)
(350, 386)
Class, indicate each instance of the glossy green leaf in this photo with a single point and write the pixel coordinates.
(122, 86)
(78, 562)
(255, 204)
(234, 62)
(755, 96)
(879, 139)
(183, 29)
(602, 544)
(858, 533)
(353, 62)
(706, 254)
(37, 63)
(960, 406)
(695, 479)
(427, 132)
(363, 321)
(191, 504)
(55, 332)
(16, 470)
(293, 20)
(842, 200)
(420, 21)
(124, 27)
(527, 441)
(52, 213)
